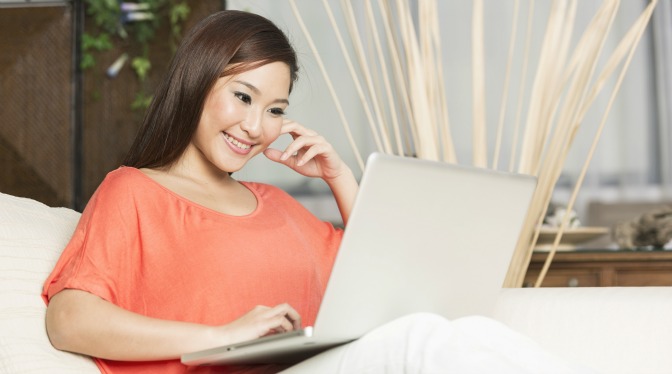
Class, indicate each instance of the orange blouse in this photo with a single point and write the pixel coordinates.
(153, 252)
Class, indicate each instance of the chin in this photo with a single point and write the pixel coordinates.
(231, 170)
(228, 168)
(230, 163)
(231, 166)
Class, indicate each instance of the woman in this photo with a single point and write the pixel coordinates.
(173, 255)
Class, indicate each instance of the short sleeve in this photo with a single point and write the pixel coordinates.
(100, 256)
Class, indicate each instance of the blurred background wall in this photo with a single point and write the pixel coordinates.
(62, 130)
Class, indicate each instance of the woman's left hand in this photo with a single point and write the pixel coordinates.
(309, 154)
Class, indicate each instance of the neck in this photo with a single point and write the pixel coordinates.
(202, 174)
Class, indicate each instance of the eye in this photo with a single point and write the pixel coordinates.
(243, 97)
(277, 111)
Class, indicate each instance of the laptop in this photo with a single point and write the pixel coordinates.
(423, 236)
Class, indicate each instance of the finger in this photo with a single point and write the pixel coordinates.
(301, 143)
(311, 152)
(277, 156)
(295, 129)
(289, 313)
(277, 324)
(294, 318)
(283, 323)
(293, 148)
(260, 309)
(273, 154)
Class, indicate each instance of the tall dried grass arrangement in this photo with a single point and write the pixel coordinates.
(408, 115)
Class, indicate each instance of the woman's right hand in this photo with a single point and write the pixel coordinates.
(74, 318)
(261, 321)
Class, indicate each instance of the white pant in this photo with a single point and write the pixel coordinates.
(427, 343)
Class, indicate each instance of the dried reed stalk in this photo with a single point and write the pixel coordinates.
(628, 44)
(521, 88)
(549, 168)
(399, 76)
(562, 92)
(389, 96)
(426, 146)
(366, 72)
(430, 15)
(353, 74)
(507, 81)
(480, 141)
(543, 89)
(330, 86)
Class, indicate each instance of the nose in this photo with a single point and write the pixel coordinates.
(252, 124)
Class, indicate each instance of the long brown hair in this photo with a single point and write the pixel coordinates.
(225, 43)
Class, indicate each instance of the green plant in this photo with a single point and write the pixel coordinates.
(126, 25)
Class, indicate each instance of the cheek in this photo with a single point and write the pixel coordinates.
(273, 129)
(219, 108)
(225, 109)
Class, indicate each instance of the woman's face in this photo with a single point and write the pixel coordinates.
(241, 117)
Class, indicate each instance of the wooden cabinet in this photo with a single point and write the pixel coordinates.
(596, 268)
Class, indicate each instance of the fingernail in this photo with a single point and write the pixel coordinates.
(284, 156)
(301, 162)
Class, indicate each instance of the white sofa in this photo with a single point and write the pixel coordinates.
(613, 330)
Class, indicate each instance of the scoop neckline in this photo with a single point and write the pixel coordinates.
(248, 185)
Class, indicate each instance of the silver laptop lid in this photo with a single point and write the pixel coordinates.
(423, 237)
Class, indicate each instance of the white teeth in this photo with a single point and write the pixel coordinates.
(236, 143)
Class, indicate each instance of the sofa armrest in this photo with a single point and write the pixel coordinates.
(32, 236)
(611, 329)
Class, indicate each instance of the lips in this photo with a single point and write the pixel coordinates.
(237, 145)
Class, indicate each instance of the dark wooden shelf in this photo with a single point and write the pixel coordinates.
(597, 268)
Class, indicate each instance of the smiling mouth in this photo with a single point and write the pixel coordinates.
(237, 143)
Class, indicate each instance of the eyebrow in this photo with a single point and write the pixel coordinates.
(258, 92)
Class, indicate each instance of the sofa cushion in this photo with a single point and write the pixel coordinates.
(610, 329)
(32, 236)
